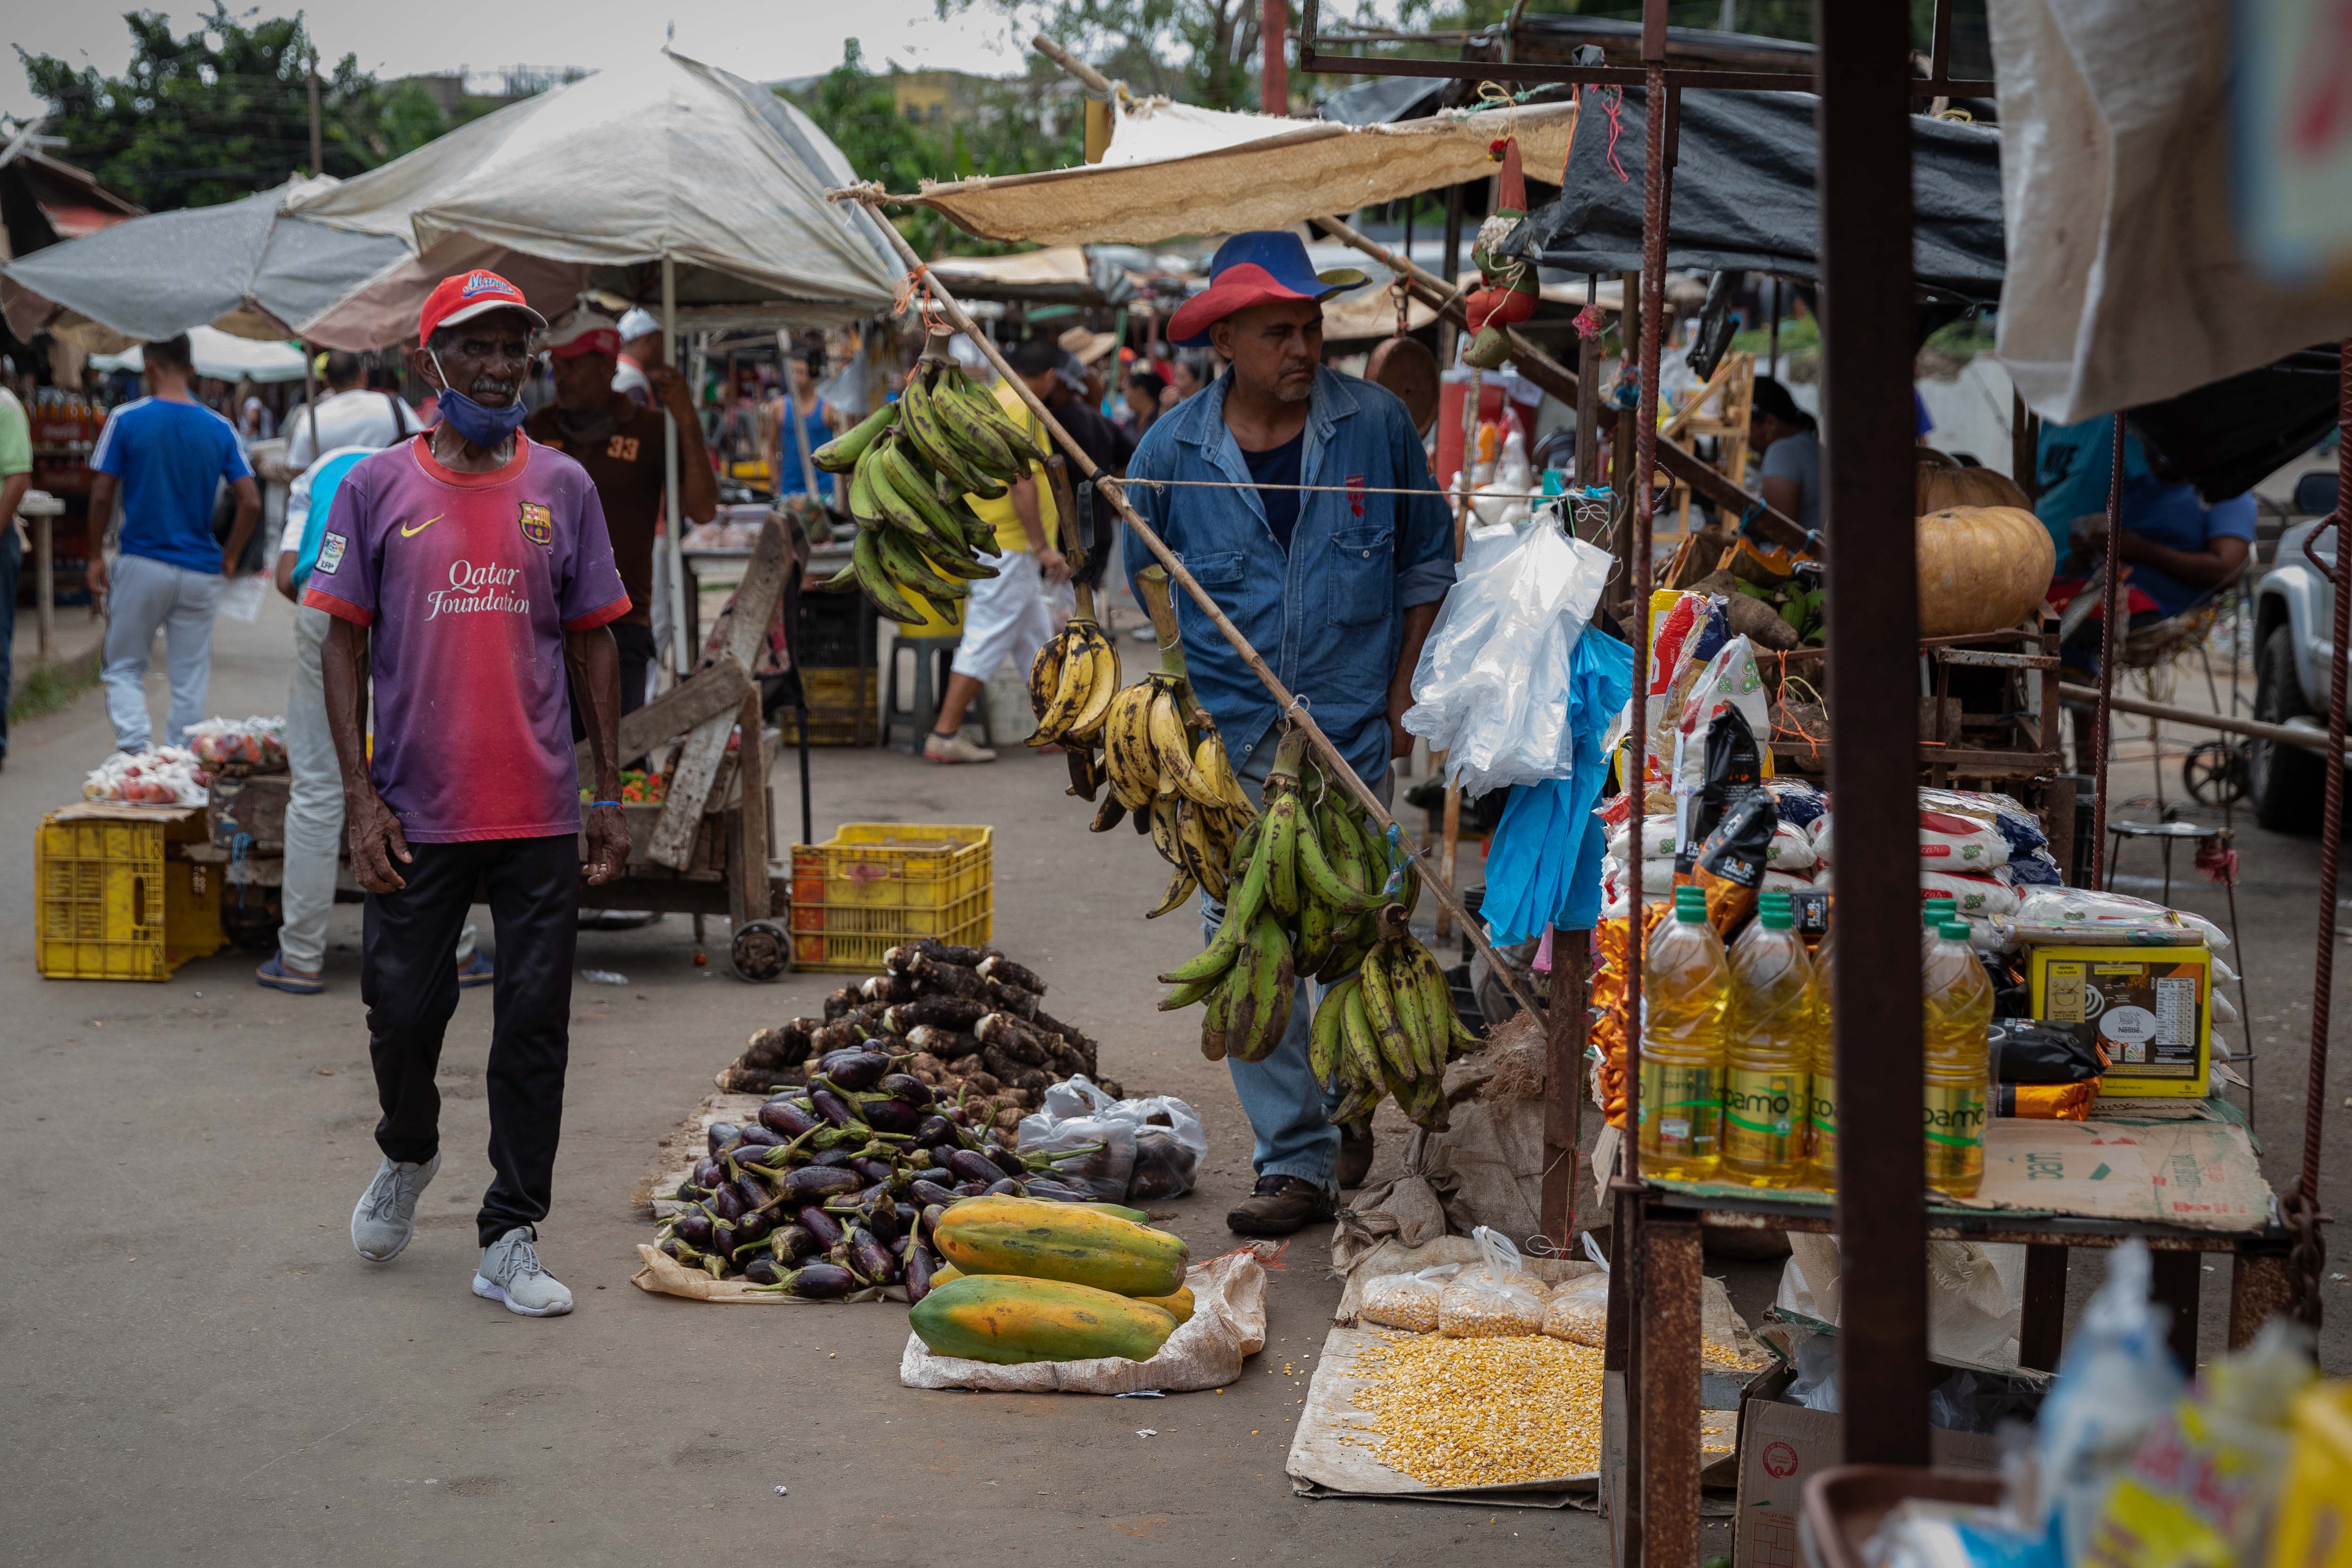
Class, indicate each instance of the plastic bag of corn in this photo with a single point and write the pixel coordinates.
(1495, 1298)
(1407, 1301)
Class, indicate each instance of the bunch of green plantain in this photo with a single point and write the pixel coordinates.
(1310, 898)
(1139, 742)
(911, 464)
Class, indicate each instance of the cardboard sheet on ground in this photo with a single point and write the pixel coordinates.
(1227, 1327)
(1324, 1463)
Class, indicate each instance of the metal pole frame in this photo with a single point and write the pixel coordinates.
(681, 634)
(1868, 476)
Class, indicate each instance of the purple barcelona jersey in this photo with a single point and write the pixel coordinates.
(467, 583)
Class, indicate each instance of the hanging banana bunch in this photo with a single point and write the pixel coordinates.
(1313, 898)
(911, 464)
(1139, 739)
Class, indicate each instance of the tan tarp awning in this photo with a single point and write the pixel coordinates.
(1173, 169)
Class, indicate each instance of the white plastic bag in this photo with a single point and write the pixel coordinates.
(1973, 898)
(1792, 849)
(2085, 915)
(1579, 1310)
(1496, 1299)
(1951, 842)
(241, 600)
(1491, 689)
(2117, 1380)
(1730, 680)
(1657, 840)
(1162, 1136)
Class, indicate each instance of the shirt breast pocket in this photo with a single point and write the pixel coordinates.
(1364, 576)
(1222, 573)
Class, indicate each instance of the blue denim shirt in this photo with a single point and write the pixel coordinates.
(1329, 615)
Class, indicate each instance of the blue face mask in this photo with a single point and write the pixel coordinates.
(483, 426)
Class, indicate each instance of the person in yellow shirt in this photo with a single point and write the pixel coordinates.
(1011, 615)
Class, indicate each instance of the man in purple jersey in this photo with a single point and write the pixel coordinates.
(470, 573)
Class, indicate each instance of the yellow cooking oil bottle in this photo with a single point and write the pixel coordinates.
(1821, 1131)
(1959, 1010)
(1685, 983)
(1769, 1043)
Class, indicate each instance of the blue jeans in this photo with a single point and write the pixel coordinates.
(1289, 1111)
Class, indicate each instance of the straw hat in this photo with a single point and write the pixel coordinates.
(1088, 346)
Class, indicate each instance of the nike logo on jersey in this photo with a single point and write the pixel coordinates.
(407, 532)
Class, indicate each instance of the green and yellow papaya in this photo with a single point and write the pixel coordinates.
(1061, 1241)
(1178, 1305)
(1008, 1321)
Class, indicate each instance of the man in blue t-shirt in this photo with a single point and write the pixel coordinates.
(165, 455)
(2179, 551)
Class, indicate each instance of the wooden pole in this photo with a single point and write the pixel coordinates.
(1294, 711)
(681, 634)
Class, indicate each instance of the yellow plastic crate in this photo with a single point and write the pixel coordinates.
(874, 885)
(110, 906)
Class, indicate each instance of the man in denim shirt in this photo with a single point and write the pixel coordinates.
(1332, 581)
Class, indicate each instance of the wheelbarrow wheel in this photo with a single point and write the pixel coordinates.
(2214, 774)
(761, 950)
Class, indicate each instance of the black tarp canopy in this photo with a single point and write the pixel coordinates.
(1743, 196)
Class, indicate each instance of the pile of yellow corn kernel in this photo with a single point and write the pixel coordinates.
(1480, 1412)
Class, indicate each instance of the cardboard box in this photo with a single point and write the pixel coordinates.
(2153, 1006)
(1784, 1446)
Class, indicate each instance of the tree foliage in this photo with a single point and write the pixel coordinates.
(224, 110)
(1009, 127)
(1196, 51)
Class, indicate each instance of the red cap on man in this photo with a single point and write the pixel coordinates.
(462, 296)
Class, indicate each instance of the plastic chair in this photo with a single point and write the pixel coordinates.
(932, 658)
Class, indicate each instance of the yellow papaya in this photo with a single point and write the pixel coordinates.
(1008, 1321)
(945, 1274)
(1178, 1305)
(1060, 1241)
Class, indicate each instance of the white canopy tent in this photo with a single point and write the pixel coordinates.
(1174, 170)
(669, 175)
(222, 356)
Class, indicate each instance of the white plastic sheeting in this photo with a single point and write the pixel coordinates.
(2127, 279)
(667, 159)
(221, 355)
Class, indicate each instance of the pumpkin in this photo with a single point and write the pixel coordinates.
(1944, 484)
(1982, 568)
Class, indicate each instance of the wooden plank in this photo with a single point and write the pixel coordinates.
(746, 847)
(698, 766)
(700, 696)
(1564, 1040)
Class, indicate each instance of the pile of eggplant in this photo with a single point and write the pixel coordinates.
(970, 1022)
(836, 1185)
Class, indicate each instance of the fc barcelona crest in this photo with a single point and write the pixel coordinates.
(537, 523)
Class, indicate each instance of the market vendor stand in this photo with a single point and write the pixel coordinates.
(1865, 91)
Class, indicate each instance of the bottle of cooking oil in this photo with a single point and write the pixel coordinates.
(1933, 914)
(1958, 1004)
(1770, 1027)
(1821, 1133)
(1685, 985)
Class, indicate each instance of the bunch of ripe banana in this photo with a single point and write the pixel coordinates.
(1311, 898)
(911, 464)
(1139, 740)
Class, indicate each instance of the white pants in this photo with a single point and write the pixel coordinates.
(144, 595)
(1010, 615)
(314, 803)
(314, 808)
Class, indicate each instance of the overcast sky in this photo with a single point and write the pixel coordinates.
(764, 41)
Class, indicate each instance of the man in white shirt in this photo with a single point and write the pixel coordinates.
(349, 415)
(641, 346)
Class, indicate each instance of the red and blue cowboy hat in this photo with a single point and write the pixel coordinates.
(1250, 268)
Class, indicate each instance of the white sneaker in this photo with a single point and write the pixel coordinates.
(511, 1274)
(385, 1218)
(954, 748)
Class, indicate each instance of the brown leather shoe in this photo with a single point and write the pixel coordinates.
(1279, 1205)
(1355, 1154)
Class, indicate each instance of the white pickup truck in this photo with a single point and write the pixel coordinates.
(2294, 615)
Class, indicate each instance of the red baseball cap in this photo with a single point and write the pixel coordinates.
(462, 296)
(583, 331)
